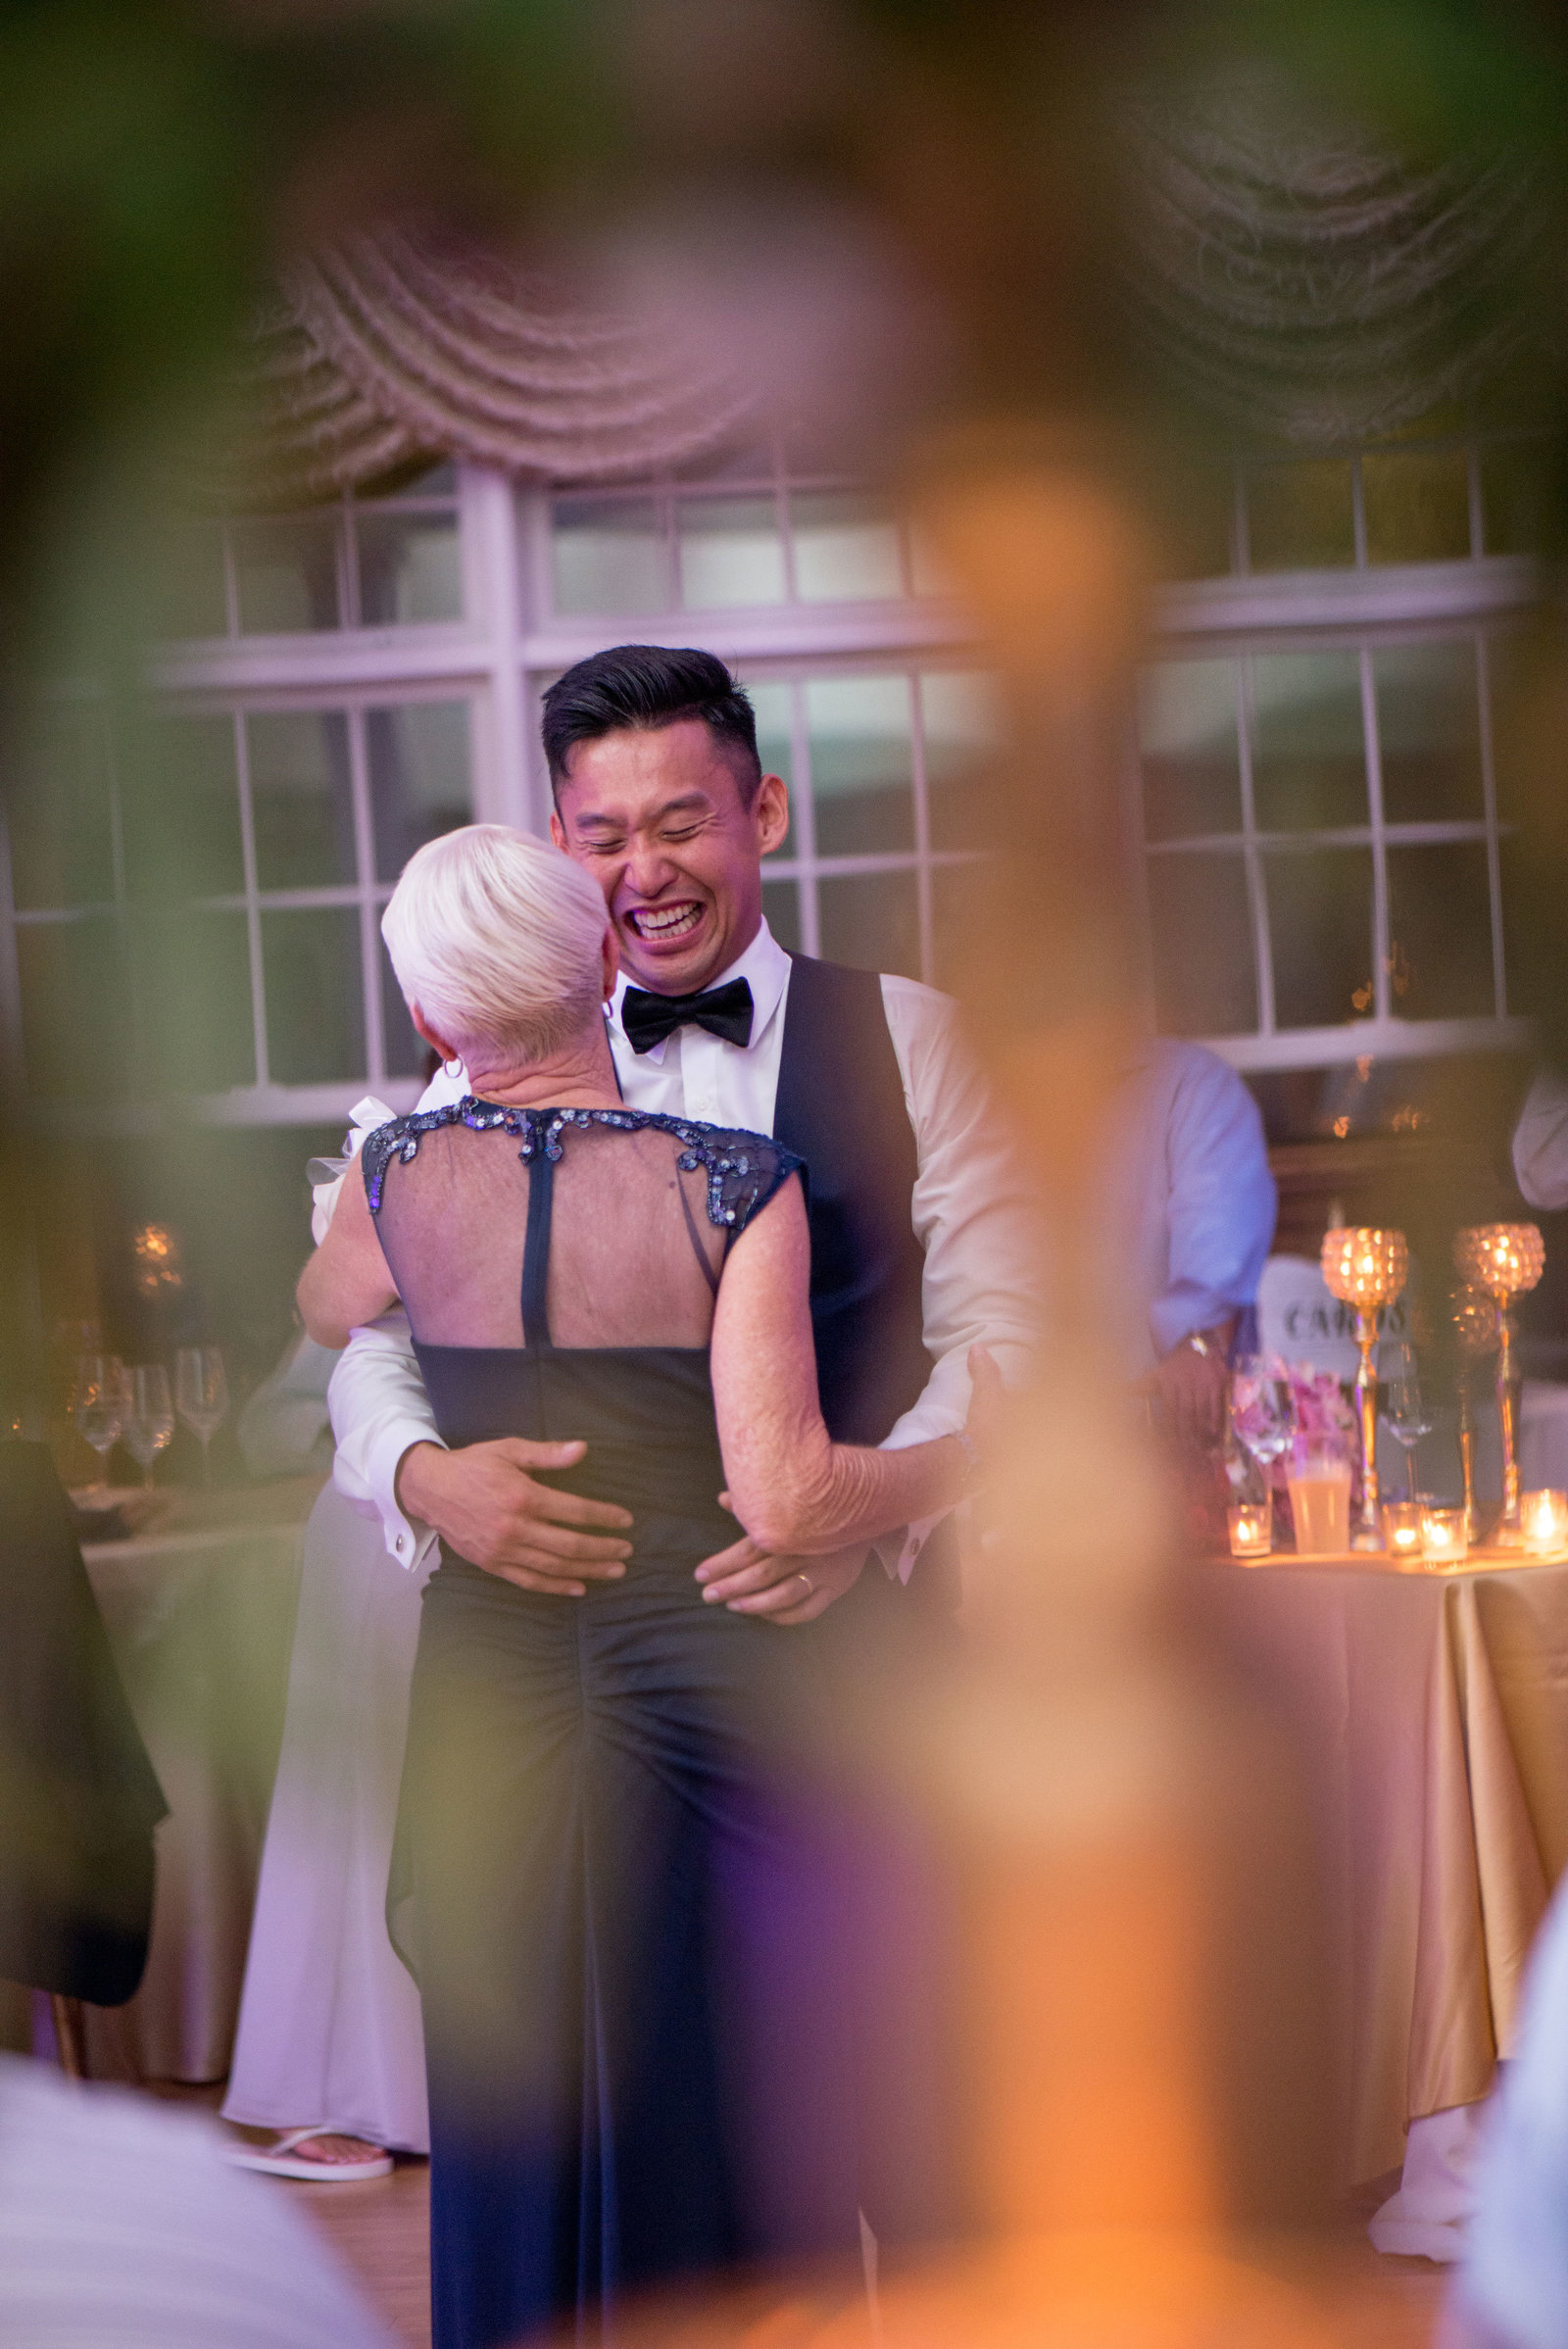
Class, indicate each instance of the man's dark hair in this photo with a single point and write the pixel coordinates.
(650, 687)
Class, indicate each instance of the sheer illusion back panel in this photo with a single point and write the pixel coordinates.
(633, 1257)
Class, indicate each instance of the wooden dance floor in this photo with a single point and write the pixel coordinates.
(379, 2232)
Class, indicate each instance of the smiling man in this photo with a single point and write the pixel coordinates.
(920, 1235)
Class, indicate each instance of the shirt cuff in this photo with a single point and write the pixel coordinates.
(408, 1538)
(899, 1549)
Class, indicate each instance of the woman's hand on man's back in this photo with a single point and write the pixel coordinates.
(752, 1581)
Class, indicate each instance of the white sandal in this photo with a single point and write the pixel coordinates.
(281, 2160)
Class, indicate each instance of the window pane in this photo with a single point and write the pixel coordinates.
(609, 555)
(1521, 695)
(76, 1006)
(314, 996)
(1201, 937)
(1309, 742)
(1320, 929)
(287, 575)
(1518, 499)
(1300, 517)
(871, 921)
(411, 569)
(1429, 732)
(1192, 770)
(406, 1050)
(846, 548)
(179, 809)
(420, 778)
(302, 800)
(861, 764)
(193, 987)
(960, 906)
(776, 750)
(188, 584)
(62, 841)
(961, 723)
(730, 553)
(1440, 931)
(1196, 522)
(781, 903)
(1417, 504)
(927, 574)
(439, 481)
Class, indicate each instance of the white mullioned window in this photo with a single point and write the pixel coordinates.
(1319, 800)
(192, 900)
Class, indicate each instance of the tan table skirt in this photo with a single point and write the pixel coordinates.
(1434, 1720)
(200, 1623)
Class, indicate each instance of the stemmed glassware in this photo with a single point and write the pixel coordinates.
(1408, 1416)
(1262, 1409)
(201, 1396)
(100, 1406)
(149, 1427)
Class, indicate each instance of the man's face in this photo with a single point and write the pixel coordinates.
(657, 817)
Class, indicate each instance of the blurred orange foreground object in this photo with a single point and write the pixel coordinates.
(1092, 2106)
(1108, 2290)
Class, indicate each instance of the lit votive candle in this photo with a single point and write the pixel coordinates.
(1445, 1538)
(1544, 1517)
(1252, 1524)
(1401, 1528)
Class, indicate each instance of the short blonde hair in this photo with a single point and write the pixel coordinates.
(497, 937)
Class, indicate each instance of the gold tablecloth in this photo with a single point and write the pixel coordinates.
(200, 1622)
(1434, 1718)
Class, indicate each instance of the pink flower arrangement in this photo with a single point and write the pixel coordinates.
(1322, 1407)
(1324, 1416)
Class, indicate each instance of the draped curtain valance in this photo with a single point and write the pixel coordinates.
(1298, 280)
(396, 345)
(1288, 273)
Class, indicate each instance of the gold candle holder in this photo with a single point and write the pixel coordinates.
(1366, 1268)
(1505, 1259)
(1475, 1330)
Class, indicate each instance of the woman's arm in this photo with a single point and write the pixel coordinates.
(346, 1283)
(792, 1488)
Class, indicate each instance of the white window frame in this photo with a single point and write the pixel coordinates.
(1358, 611)
(510, 644)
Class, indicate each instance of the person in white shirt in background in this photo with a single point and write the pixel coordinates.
(330, 2049)
(1540, 1143)
(1189, 1209)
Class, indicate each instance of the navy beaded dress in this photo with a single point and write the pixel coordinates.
(615, 1867)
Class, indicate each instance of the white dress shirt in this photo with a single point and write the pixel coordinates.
(969, 1210)
(1540, 1143)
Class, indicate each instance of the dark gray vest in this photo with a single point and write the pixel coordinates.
(841, 1106)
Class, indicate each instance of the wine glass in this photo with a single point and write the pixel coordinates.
(1407, 1415)
(1262, 1409)
(99, 1406)
(150, 1421)
(201, 1396)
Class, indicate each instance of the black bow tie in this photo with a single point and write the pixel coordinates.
(723, 1010)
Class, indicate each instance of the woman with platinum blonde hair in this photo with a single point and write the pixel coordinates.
(497, 940)
(612, 1875)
